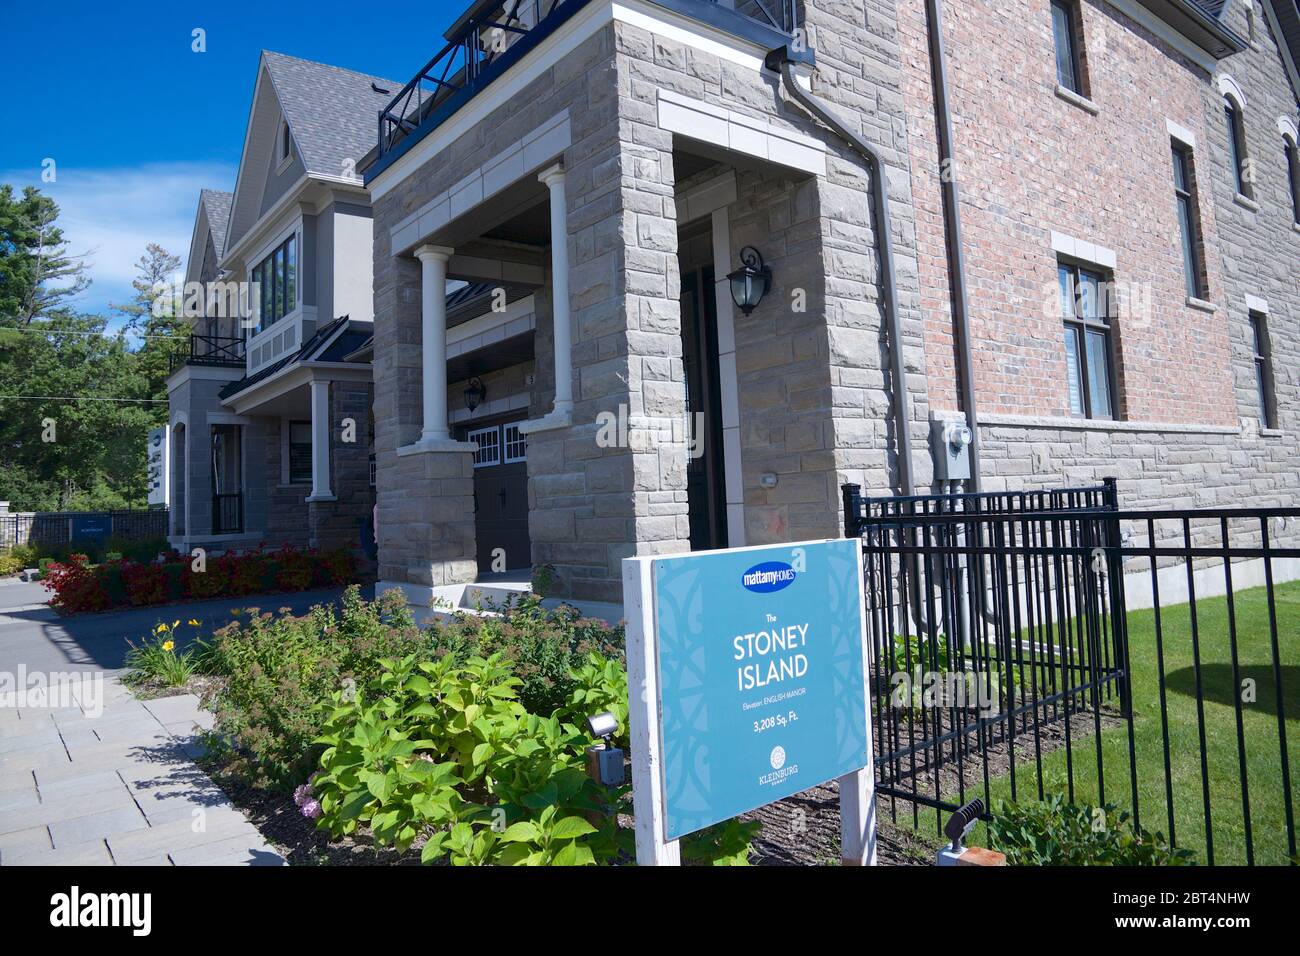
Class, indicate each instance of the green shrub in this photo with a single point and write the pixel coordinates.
(10, 564)
(544, 644)
(278, 671)
(1056, 833)
(446, 750)
(599, 684)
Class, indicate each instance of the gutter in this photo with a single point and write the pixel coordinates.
(781, 60)
(952, 217)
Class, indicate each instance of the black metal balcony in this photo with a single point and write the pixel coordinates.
(228, 513)
(213, 350)
(493, 35)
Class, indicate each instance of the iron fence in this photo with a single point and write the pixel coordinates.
(54, 529)
(1036, 643)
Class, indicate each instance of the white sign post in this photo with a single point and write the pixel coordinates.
(740, 696)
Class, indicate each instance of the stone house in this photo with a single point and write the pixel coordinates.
(601, 175)
(269, 410)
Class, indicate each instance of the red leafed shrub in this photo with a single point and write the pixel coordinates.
(79, 586)
(76, 587)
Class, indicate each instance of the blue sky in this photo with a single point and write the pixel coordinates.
(137, 122)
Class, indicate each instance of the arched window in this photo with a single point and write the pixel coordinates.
(1291, 150)
(1237, 146)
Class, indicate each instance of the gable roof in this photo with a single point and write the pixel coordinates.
(331, 111)
(216, 206)
(332, 342)
(332, 114)
(1285, 19)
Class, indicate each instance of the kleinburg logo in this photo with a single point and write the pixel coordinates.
(768, 577)
(777, 759)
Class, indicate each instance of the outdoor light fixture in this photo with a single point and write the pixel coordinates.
(475, 392)
(751, 281)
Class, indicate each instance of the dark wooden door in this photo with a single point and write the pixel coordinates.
(500, 496)
(705, 489)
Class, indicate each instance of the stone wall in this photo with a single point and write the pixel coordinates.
(342, 522)
(286, 505)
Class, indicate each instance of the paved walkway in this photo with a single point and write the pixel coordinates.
(104, 778)
(119, 787)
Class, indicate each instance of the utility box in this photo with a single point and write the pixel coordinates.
(950, 443)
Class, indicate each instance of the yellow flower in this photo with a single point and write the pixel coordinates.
(175, 624)
(168, 645)
(160, 628)
(193, 623)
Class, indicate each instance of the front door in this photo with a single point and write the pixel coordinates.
(500, 496)
(705, 490)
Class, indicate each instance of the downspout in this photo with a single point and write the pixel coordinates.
(779, 60)
(952, 217)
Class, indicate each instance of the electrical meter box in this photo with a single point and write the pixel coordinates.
(950, 443)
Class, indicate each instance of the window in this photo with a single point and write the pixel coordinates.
(299, 453)
(285, 142)
(1185, 193)
(1068, 66)
(489, 446)
(1263, 370)
(1237, 147)
(277, 278)
(516, 444)
(1086, 311)
(1293, 174)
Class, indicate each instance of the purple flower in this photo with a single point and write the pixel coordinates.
(311, 809)
(302, 794)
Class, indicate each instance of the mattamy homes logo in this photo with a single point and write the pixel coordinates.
(75, 909)
(768, 577)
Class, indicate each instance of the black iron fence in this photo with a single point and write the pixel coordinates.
(56, 529)
(1036, 643)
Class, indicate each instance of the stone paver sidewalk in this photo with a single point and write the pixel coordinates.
(118, 788)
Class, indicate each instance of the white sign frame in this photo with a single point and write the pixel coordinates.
(857, 789)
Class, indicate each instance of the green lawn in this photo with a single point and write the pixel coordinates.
(1259, 717)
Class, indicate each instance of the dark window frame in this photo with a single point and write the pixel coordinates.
(290, 444)
(286, 147)
(1262, 359)
(1291, 151)
(1081, 322)
(1185, 196)
(277, 277)
(1238, 154)
(1067, 12)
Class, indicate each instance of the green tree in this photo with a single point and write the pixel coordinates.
(155, 314)
(76, 401)
(37, 273)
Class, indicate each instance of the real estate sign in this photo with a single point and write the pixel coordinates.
(757, 662)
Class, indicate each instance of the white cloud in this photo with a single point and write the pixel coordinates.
(112, 214)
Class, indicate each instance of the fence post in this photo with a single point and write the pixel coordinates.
(852, 496)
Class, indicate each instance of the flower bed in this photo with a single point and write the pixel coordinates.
(81, 586)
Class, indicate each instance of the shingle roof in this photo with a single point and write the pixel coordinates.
(216, 205)
(332, 111)
(320, 347)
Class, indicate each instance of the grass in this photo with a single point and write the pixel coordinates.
(1182, 786)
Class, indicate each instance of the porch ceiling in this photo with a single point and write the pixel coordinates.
(503, 354)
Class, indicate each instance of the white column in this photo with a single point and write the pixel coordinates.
(563, 340)
(433, 311)
(320, 442)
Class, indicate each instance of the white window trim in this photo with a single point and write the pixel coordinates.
(1083, 251)
(1181, 133)
(470, 437)
(506, 458)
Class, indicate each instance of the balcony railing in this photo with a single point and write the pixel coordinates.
(217, 350)
(494, 34)
(228, 513)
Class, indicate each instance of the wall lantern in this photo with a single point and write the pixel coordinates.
(475, 392)
(751, 281)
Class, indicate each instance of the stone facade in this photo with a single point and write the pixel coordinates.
(1040, 171)
(342, 522)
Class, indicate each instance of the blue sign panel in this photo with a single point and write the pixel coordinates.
(761, 676)
(91, 527)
